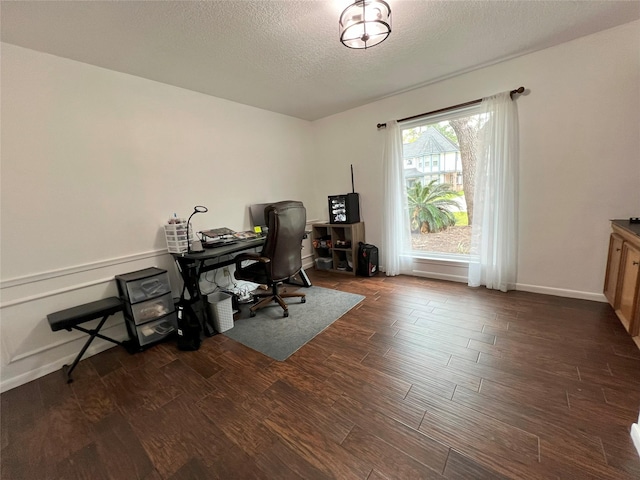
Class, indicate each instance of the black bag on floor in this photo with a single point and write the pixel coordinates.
(367, 260)
(189, 330)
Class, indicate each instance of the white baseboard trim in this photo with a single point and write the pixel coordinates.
(557, 292)
(562, 292)
(307, 263)
(635, 436)
(439, 276)
(36, 373)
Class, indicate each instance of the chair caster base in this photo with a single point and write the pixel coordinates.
(303, 300)
(285, 314)
(252, 313)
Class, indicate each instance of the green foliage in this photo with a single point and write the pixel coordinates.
(429, 206)
(410, 135)
(462, 219)
(445, 129)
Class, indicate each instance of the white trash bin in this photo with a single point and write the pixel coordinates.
(221, 310)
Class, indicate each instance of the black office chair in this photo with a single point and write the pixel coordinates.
(280, 258)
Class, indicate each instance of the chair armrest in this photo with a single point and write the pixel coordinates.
(243, 257)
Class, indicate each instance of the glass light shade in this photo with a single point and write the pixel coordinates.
(365, 23)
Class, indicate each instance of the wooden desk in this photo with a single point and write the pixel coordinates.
(192, 265)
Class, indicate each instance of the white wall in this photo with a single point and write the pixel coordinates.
(93, 163)
(579, 154)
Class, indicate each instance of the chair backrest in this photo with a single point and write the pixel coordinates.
(286, 221)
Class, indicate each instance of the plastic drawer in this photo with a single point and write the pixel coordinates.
(146, 288)
(176, 229)
(151, 309)
(152, 332)
(176, 238)
(324, 263)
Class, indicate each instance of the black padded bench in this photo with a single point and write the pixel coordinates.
(71, 318)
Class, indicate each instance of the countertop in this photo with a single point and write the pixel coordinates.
(633, 228)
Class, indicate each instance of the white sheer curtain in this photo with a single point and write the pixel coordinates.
(495, 222)
(395, 217)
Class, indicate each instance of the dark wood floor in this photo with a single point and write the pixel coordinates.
(424, 379)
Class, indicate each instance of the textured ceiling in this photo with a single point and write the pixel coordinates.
(284, 56)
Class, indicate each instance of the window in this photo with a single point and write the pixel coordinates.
(440, 198)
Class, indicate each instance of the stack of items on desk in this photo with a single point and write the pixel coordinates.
(224, 235)
(218, 236)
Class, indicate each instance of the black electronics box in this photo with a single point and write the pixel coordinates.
(344, 208)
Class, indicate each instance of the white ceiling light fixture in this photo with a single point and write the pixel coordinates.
(365, 23)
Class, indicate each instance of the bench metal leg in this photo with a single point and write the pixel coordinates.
(67, 369)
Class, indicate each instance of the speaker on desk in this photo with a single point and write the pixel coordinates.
(344, 208)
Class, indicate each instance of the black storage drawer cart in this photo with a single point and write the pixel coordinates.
(149, 311)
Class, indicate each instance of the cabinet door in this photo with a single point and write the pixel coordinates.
(627, 300)
(613, 268)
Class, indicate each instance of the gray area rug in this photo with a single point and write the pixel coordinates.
(279, 337)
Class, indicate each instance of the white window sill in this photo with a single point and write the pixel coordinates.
(438, 257)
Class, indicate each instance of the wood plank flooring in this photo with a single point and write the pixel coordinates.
(423, 379)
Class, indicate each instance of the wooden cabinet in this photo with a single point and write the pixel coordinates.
(613, 268)
(627, 301)
(622, 282)
(335, 246)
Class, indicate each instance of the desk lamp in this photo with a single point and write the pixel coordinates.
(196, 209)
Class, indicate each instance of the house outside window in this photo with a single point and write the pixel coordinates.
(435, 183)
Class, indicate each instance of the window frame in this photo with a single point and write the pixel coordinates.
(439, 257)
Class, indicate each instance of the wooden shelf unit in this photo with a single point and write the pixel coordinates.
(332, 235)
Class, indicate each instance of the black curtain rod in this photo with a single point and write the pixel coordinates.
(517, 91)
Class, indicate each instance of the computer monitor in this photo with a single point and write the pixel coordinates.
(257, 215)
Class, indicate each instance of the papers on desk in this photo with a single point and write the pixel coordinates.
(245, 235)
